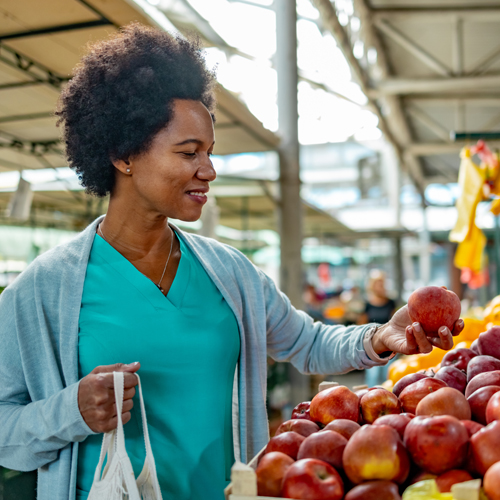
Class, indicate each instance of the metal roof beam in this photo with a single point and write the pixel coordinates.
(36, 71)
(438, 15)
(394, 126)
(430, 123)
(30, 116)
(57, 29)
(403, 86)
(412, 47)
(441, 148)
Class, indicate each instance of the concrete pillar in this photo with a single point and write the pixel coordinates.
(290, 220)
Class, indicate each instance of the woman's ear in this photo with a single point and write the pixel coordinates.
(122, 165)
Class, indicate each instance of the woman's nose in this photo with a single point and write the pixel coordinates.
(207, 171)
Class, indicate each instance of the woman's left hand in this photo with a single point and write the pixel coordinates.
(403, 336)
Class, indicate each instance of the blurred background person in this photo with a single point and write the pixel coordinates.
(379, 308)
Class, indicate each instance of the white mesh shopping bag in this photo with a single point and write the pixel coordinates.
(117, 481)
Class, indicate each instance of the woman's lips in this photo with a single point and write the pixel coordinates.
(198, 196)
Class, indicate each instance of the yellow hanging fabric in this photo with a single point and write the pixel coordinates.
(471, 178)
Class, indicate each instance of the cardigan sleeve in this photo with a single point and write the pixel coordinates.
(31, 432)
(312, 347)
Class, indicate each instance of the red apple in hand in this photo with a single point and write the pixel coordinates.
(458, 358)
(374, 490)
(434, 307)
(482, 364)
(325, 445)
(343, 426)
(491, 482)
(288, 443)
(482, 380)
(493, 408)
(333, 403)
(414, 393)
(446, 480)
(453, 377)
(437, 444)
(407, 380)
(303, 427)
(378, 402)
(311, 479)
(301, 411)
(376, 452)
(478, 401)
(270, 473)
(485, 447)
(397, 422)
(445, 401)
(488, 343)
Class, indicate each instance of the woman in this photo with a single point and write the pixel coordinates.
(196, 314)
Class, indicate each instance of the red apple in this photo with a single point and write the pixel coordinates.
(458, 358)
(482, 380)
(407, 380)
(398, 422)
(474, 347)
(270, 473)
(482, 364)
(311, 479)
(301, 411)
(489, 342)
(446, 480)
(437, 444)
(453, 377)
(434, 307)
(374, 490)
(409, 415)
(288, 443)
(378, 402)
(414, 393)
(445, 401)
(333, 403)
(493, 408)
(471, 426)
(343, 426)
(302, 427)
(376, 452)
(491, 482)
(478, 401)
(485, 445)
(325, 445)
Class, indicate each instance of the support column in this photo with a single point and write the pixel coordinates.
(291, 275)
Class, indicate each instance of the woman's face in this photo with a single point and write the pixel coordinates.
(172, 178)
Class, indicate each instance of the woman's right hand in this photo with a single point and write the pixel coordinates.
(96, 396)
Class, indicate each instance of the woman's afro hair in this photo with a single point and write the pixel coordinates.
(121, 96)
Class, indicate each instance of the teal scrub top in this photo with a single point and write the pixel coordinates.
(188, 344)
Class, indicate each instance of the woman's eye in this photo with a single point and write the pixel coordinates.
(189, 154)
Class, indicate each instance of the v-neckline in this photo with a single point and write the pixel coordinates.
(140, 281)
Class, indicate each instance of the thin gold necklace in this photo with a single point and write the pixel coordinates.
(99, 230)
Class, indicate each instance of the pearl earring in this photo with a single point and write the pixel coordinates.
(128, 170)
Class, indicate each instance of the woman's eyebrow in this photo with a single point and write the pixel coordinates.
(189, 141)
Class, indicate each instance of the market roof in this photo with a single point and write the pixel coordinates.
(430, 68)
(39, 47)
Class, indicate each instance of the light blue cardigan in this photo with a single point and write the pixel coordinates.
(40, 423)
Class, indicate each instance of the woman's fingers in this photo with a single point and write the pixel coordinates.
(445, 339)
(423, 343)
(458, 327)
(411, 342)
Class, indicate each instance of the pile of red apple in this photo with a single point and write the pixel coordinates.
(373, 443)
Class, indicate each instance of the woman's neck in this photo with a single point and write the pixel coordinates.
(135, 233)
